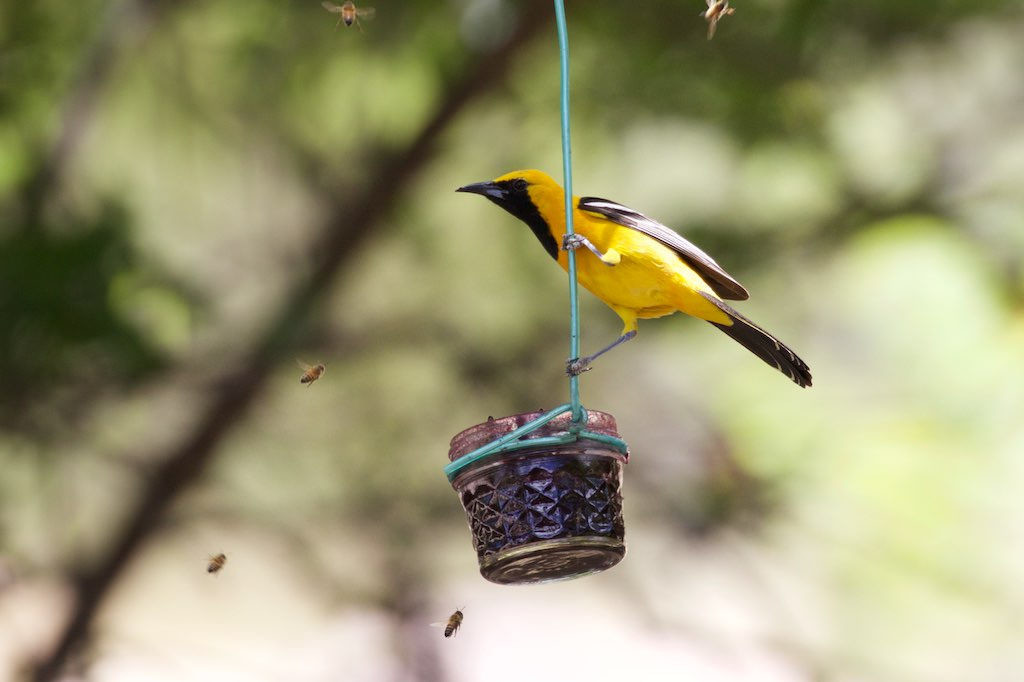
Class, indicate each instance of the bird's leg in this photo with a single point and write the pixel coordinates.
(577, 366)
(571, 242)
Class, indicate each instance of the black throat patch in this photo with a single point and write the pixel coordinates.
(518, 203)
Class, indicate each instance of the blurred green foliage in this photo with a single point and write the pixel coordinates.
(61, 326)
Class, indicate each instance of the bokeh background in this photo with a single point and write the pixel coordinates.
(194, 194)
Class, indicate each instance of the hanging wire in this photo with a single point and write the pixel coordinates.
(513, 440)
(578, 415)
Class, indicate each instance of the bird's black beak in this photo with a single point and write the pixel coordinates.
(487, 189)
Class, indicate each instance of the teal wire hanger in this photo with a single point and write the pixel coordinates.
(578, 413)
(513, 440)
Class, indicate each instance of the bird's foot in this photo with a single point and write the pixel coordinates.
(571, 242)
(577, 366)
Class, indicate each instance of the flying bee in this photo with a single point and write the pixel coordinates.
(715, 11)
(311, 373)
(453, 623)
(216, 563)
(349, 13)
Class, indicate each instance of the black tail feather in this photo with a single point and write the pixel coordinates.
(763, 345)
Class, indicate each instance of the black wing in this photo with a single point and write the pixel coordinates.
(762, 344)
(718, 279)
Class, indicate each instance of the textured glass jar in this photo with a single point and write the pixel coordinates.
(545, 513)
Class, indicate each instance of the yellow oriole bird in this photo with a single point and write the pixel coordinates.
(637, 266)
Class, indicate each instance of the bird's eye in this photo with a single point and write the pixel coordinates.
(519, 185)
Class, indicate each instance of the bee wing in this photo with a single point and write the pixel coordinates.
(366, 12)
(331, 7)
(303, 365)
(439, 624)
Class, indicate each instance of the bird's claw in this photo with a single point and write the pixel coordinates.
(571, 242)
(577, 366)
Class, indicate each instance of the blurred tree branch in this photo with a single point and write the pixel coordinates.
(344, 232)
